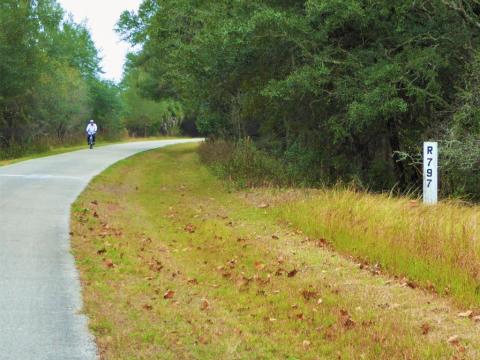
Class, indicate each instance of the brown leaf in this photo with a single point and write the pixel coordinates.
(321, 243)
(275, 237)
(95, 214)
(147, 306)
(203, 340)
(241, 282)
(346, 319)
(292, 273)
(204, 304)
(169, 294)
(348, 323)
(454, 340)
(94, 202)
(309, 294)
(259, 265)
(109, 263)
(190, 228)
(192, 281)
(156, 265)
(425, 328)
(101, 251)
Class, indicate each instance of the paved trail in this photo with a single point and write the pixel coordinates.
(39, 285)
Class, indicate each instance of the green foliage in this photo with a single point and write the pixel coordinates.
(145, 116)
(50, 79)
(352, 83)
(247, 165)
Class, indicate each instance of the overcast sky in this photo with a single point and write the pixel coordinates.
(101, 17)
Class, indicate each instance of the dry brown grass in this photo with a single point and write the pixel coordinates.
(435, 246)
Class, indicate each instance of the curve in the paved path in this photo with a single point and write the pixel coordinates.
(39, 285)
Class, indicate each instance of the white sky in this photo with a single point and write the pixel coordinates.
(101, 17)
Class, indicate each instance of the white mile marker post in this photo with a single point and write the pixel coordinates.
(430, 173)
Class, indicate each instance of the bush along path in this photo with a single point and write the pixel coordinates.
(176, 265)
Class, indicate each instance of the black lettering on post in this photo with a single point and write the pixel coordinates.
(429, 150)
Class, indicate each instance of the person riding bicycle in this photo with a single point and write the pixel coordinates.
(91, 130)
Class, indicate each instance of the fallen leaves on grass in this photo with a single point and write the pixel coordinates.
(321, 243)
(300, 316)
(192, 281)
(169, 294)
(155, 265)
(204, 304)
(292, 273)
(425, 328)
(346, 320)
(108, 263)
(408, 283)
(203, 340)
(242, 281)
(259, 265)
(309, 294)
(454, 340)
(190, 228)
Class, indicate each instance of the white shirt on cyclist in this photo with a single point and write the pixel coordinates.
(91, 129)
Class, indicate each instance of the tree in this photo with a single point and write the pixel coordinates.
(353, 82)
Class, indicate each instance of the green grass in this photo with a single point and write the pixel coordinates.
(244, 286)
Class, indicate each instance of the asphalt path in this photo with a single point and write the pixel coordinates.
(40, 298)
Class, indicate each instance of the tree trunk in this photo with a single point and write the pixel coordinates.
(394, 140)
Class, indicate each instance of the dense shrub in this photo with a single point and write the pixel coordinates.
(327, 90)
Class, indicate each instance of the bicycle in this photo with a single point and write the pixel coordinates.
(90, 141)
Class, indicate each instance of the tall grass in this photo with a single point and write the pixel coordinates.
(247, 165)
(434, 246)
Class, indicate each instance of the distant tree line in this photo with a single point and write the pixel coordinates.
(50, 81)
(335, 89)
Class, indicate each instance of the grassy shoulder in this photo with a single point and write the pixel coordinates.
(56, 150)
(175, 265)
(435, 247)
